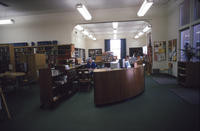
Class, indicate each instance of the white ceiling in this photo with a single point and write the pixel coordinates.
(41, 6)
(102, 29)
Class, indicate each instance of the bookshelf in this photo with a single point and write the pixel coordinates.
(55, 84)
(189, 74)
(6, 58)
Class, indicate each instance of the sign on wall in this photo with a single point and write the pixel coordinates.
(159, 50)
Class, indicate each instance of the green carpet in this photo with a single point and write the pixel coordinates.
(157, 109)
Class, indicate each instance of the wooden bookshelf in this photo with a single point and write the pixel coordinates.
(55, 86)
(189, 74)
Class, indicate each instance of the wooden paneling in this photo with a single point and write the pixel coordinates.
(117, 85)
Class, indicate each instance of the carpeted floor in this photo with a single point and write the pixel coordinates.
(156, 109)
(164, 79)
(187, 94)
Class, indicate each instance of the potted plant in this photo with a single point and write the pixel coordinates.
(188, 52)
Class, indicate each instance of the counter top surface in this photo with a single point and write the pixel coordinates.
(109, 69)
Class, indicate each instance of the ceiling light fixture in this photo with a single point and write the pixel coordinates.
(83, 11)
(115, 37)
(115, 25)
(114, 31)
(85, 32)
(94, 38)
(147, 28)
(145, 7)
(136, 36)
(78, 27)
(90, 36)
(7, 21)
(140, 34)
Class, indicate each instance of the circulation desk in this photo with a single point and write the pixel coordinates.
(114, 85)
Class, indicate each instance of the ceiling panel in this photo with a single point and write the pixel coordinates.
(30, 6)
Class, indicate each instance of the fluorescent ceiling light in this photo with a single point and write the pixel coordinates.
(7, 21)
(85, 32)
(94, 38)
(136, 36)
(115, 25)
(147, 28)
(145, 7)
(141, 33)
(115, 36)
(90, 36)
(83, 11)
(115, 31)
(78, 27)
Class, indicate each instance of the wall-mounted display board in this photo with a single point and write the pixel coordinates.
(94, 52)
(159, 50)
(172, 50)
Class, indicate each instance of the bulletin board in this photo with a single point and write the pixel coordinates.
(159, 50)
(172, 50)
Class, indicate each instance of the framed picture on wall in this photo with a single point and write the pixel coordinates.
(159, 50)
(172, 50)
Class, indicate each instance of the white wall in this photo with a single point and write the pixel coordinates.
(159, 24)
(130, 42)
(37, 28)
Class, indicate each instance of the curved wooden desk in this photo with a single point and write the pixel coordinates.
(114, 85)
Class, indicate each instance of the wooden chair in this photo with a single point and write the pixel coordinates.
(4, 102)
(84, 80)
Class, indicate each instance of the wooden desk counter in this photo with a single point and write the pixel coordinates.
(114, 85)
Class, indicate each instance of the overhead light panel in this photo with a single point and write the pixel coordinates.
(83, 11)
(136, 36)
(78, 27)
(94, 38)
(114, 31)
(145, 7)
(115, 36)
(140, 34)
(7, 21)
(85, 32)
(115, 25)
(90, 36)
(147, 28)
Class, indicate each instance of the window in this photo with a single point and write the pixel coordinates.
(189, 30)
(185, 12)
(196, 9)
(196, 42)
(185, 42)
(115, 47)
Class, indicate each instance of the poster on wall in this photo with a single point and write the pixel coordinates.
(159, 50)
(172, 50)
